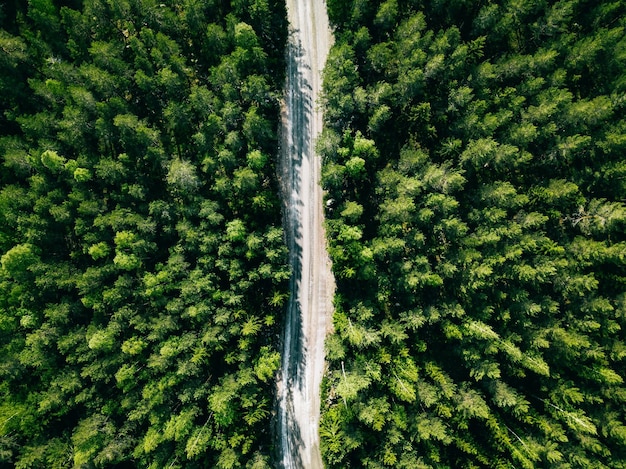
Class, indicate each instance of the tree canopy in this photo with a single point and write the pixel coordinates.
(474, 169)
(143, 269)
(475, 179)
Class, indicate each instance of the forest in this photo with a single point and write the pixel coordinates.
(475, 180)
(143, 268)
(473, 159)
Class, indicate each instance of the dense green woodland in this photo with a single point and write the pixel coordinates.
(473, 159)
(143, 266)
(476, 184)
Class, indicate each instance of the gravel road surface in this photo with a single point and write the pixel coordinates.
(309, 315)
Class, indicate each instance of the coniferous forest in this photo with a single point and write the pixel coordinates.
(475, 178)
(476, 187)
(143, 269)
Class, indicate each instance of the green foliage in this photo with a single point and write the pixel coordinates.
(473, 163)
(52, 160)
(17, 260)
(142, 266)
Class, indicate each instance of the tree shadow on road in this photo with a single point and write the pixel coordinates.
(297, 123)
(296, 146)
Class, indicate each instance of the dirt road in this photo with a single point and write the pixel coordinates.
(310, 306)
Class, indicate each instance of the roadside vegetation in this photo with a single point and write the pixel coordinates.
(143, 268)
(473, 159)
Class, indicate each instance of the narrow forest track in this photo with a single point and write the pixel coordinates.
(309, 311)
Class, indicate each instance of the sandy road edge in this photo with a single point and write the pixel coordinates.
(309, 312)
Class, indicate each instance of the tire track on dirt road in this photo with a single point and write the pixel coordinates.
(309, 312)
